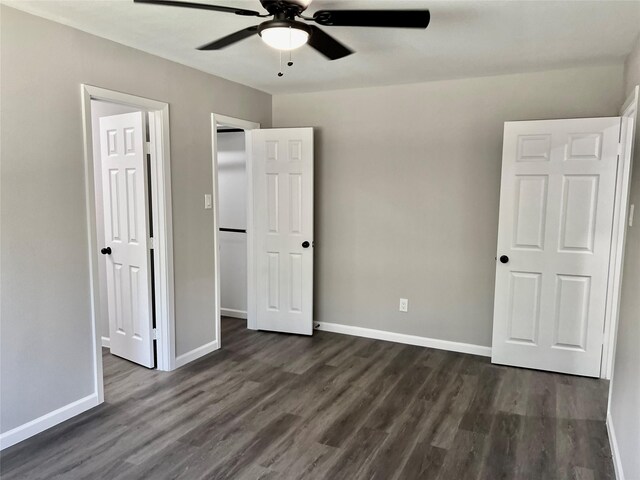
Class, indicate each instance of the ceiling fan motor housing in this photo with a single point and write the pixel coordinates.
(284, 23)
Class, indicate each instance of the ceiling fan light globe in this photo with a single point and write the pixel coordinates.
(284, 38)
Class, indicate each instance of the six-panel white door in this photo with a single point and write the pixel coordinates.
(556, 213)
(125, 203)
(282, 175)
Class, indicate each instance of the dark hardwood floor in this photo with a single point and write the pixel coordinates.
(327, 407)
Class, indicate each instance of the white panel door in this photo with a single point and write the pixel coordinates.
(282, 171)
(554, 239)
(125, 203)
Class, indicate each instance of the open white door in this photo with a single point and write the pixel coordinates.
(282, 229)
(125, 203)
(554, 240)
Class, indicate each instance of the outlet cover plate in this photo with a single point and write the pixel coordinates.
(404, 305)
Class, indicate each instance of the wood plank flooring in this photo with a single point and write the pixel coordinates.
(274, 406)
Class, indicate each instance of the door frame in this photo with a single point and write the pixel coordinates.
(160, 179)
(247, 126)
(618, 238)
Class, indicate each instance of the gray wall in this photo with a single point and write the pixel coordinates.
(46, 342)
(407, 190)
(625, 387)
(232, 194)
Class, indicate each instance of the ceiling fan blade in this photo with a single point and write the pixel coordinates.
(203, 6)
(327, 45)
(373, 18)
(230, 39)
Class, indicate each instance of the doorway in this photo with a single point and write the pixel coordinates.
(106, 132)
(232, 213)
(278, 176)
(232, 232)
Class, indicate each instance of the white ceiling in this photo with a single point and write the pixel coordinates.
(465, 39)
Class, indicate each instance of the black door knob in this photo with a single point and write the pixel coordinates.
(504, 259)
(305, 244)
(106, 251)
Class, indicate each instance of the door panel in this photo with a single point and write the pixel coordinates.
(125, 203)
(283, 221)
(556, 211)
(572, 308)
(531, 198)
(524, 311)
(534, 148)
(578, 217)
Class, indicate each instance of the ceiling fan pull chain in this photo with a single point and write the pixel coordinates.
(280, 74)
(290, 62)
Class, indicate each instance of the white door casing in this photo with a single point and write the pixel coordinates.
(282, 171)
(628, 115)
(125, 203)
(247, 126)
(556, 213)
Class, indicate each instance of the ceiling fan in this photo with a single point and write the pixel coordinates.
(286, 32)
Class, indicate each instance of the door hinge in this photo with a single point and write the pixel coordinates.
(619, 148)
(154, 334)
(147, 148)
(151, 243)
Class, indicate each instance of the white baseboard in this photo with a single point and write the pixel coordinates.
(615, 453)
(106, 342)
(49, 420)
(403, 338)
(196, 353)
(230, 312)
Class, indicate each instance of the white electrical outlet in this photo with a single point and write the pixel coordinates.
(404, 305)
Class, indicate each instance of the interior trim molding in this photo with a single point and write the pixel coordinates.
(196, 353)
(231, 312)
(628, 121)
(47, 421)
(404, 338)
(615, 452)
(246, 126)
(161, 217)
(106, 342)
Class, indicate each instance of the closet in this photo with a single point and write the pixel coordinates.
(232, 195)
